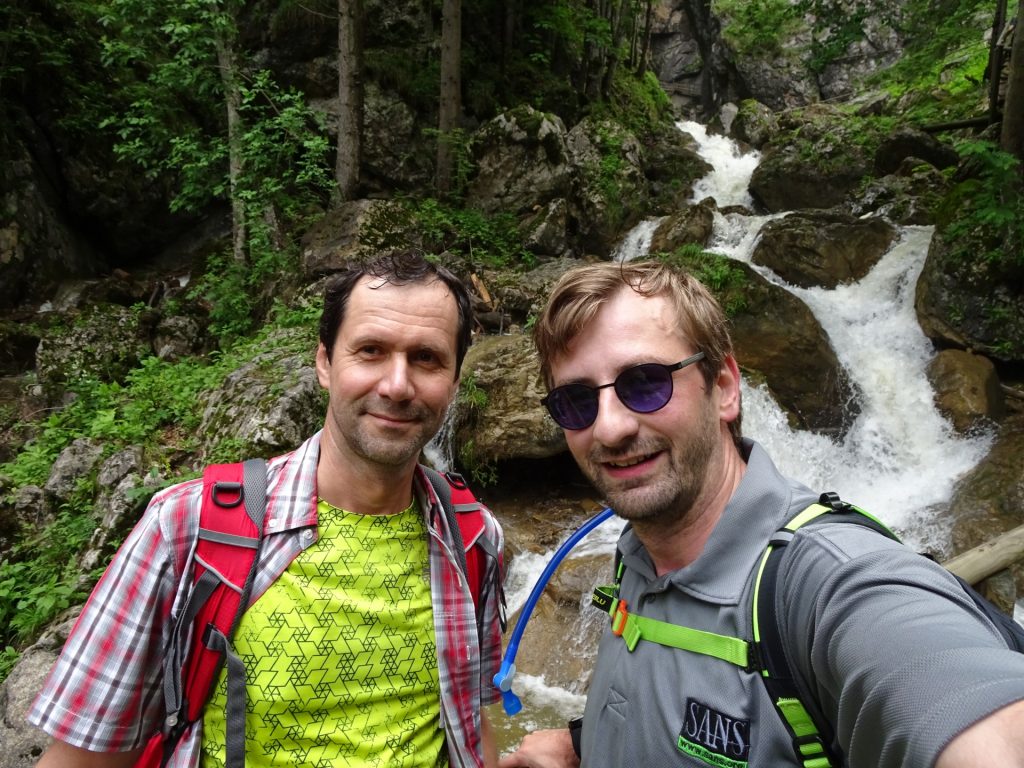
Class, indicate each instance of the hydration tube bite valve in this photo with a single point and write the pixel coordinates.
(507, 672)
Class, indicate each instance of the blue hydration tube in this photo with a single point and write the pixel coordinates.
(507, 672)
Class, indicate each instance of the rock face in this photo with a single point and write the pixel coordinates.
(966, 389)
(269, 405)
(522, 161)
(970, 305)
(812, 249)
(774, 329)
(990, 499)
(20, 743)
(508, 422)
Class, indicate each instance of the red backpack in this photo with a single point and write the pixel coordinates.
(226, 554)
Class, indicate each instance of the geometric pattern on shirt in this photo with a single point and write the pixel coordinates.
(341, 663)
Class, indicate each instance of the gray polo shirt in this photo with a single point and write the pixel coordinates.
(896, 654)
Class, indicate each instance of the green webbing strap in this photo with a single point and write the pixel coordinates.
(807, 740)
(633, 628)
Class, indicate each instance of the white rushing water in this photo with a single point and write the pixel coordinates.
(900, 459)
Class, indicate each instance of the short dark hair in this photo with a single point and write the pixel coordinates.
(395, 268)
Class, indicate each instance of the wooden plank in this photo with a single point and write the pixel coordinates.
(988, 558)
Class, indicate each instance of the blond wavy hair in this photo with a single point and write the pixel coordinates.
(581, 292)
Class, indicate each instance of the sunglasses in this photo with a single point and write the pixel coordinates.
(643, 389)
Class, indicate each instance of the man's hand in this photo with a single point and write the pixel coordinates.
(543, 749)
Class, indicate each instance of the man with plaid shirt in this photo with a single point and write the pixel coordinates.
(361, 641)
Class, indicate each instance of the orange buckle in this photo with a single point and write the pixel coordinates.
(619, 617)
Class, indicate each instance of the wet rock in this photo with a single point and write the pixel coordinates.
(771, 328)
(815, 161)
(970, 303)
(755, 123)
(967, 389)
(22, 744)
(499, 413)
(909, 196)
(523, 294)
(522, 161)
(910, 142)
(269, 405)
(691, 225)
(825, 249)
(671, 165)
(989, 500)
(77, 462)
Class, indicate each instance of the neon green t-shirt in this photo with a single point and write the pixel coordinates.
(341, 663)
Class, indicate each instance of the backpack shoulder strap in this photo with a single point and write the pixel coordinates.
(809, 729)
(477, 556)
(226, 553)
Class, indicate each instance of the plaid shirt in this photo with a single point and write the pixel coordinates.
(104, 692)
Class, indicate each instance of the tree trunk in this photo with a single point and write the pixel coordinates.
(645, 51)
(233, 104)
(1011, 138)
(350, 98)
(451, 92)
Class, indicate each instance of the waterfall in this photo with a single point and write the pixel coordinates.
(900, 459)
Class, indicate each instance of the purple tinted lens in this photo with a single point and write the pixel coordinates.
(645, 388)
(573, 406)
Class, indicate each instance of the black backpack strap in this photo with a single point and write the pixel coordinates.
(444, 494)
(812, 734)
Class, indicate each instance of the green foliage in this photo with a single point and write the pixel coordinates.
(435, 227)
(460, 145)
(941, 75)
(982, 218)
(40, 579)
(482, 472)
(757, 26)
(470, 395)
(8, 658)
(720, 274)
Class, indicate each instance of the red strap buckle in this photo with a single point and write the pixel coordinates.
(619, 616)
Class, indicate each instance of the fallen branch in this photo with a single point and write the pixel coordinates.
(988, 558)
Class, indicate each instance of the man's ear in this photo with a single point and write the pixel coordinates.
(728, 385)
(323, 366)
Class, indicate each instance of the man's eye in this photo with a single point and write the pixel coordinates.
(370, 350)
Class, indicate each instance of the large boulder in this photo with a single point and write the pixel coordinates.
(971, 303)
(692, 225)
(522, 162)
(611, 188)
(825, 249)
(269, 405)
(907, 142)
(499, 414)
(990, 499)
(672, 166)
(815, 161)
(102, 342)
(967, 389)
(911, 195)
(339, 236)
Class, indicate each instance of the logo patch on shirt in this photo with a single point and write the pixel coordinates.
(714, 737)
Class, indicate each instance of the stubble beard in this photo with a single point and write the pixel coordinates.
(387, 451)
(669, 497)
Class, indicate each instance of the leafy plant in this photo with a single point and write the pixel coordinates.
(983, 215)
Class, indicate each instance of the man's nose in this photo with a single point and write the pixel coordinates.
(395, 383)
(615, 423)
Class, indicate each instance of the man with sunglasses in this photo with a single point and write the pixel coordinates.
(906, 670)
